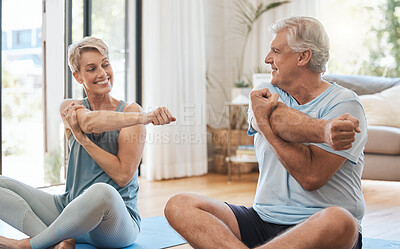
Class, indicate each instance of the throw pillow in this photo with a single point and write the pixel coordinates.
(383, 108)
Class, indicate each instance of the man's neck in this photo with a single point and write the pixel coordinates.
(307, 87)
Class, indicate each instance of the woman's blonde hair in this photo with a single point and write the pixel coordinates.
(88, 43)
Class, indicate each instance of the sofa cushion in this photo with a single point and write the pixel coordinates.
(383, 108)
(362, 84)
(383, 140)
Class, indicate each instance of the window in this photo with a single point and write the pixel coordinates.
(359, 34)
(112, 31)
(21, 39)
(3, 40)
(25, 137)
(108, 22)
(22, 93)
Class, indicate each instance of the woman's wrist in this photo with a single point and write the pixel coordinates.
(82, 139)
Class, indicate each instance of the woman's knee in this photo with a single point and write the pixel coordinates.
(103, 194)
(3, 181)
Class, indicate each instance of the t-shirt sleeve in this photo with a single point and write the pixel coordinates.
(354, 108)
(251, 131)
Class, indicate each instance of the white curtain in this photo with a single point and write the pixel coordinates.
(174, 70)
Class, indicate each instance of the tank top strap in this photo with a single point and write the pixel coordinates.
(121, 106)
(85, 103)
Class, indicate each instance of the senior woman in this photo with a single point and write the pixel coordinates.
(106, 138)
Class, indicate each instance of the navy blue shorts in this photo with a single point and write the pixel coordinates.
(255, 232)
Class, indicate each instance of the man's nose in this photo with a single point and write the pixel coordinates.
(268, 59)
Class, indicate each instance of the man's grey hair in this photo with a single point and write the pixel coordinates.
(88, 43)
(306, 33)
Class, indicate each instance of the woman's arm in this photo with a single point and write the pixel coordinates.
(122, 167)
(101, 121)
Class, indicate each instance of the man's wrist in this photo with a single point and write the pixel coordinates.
(325, 131)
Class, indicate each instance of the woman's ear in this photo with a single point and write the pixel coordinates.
(78, 77)
(304, 57)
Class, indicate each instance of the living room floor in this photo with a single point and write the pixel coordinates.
(381, 220)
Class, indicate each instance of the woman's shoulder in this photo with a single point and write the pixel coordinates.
(133, 107)
(66, 102)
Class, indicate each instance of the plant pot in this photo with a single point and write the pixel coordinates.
(240, 95)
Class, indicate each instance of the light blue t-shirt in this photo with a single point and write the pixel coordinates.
(83, 171)
(279, 197)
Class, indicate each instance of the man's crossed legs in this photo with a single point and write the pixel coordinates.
(209, 223)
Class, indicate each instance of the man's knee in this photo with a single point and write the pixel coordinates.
(340, 222)
(179, 203)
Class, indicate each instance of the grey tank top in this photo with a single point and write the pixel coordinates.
(83, 171)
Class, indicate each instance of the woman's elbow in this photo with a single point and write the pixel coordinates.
(88, 124)
(123, 181)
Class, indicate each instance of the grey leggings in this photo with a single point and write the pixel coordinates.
(98, 216)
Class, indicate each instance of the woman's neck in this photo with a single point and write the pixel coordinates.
(102, 102)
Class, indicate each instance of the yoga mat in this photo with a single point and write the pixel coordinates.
(155, 233)
(380, 244)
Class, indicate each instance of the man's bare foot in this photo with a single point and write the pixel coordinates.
(6, 243)
(66, 244)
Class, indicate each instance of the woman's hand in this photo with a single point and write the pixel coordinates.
(70, 119)
(160, 116)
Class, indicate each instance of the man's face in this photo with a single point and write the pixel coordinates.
(282, 60)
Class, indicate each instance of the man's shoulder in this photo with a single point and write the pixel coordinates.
(343, 93)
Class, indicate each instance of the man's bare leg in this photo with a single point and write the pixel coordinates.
(203, 222)
(332, 227)
(6, 243)
(66, 244)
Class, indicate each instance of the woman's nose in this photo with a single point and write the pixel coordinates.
(102, 73)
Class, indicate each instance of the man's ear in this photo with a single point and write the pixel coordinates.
(304, 57)
(78, 77)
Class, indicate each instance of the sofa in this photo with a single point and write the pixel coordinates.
(380, 97)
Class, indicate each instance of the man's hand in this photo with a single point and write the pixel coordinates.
(160, 116)
(262, 104)
(340, 132)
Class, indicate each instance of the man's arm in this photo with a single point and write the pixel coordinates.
(294, 126)
(311, 166)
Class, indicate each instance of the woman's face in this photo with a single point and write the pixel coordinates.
(95, 72)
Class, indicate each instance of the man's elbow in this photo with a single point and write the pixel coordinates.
(312, 183)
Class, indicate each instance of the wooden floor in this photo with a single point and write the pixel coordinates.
(381, 220)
